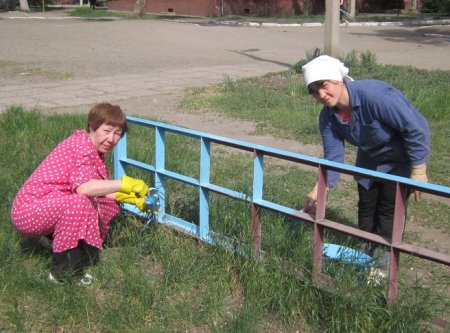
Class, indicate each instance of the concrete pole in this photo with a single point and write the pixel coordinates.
(331, 45)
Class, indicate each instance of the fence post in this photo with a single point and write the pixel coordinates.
(258, 181)
(160, 156)
(205, 165)
(397, 235)
(320, 215)
(120, 152)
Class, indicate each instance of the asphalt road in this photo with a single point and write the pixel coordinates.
(64, 64)
(105, 47)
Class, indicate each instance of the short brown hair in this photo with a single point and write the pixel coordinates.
(105, 113)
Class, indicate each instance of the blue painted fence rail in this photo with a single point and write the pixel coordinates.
(256, 198)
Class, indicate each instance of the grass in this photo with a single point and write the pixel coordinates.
(87, 12)
(12, 69)
(154, 278)
(279, 104)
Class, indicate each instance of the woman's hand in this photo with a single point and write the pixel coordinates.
(309, 205)
(131, 199)
(419, 173)
(131, 185)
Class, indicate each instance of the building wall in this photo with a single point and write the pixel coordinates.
(185, 7)
(263, 8)
(121, 5)
(190, 7)
(260, 8)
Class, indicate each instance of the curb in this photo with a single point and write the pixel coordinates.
(319, 24)
(255, 24)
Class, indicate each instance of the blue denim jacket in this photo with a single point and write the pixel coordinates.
(391, 135)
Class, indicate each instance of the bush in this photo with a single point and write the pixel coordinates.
(366, 60)
(6, 5)
(436, 6)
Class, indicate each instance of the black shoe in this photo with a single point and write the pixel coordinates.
(67, 264)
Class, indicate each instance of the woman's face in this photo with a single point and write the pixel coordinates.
(328, 93)
(105, 138)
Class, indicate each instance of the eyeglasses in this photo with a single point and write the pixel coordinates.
(313, 88)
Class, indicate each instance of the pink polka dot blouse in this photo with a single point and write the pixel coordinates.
(48, 204)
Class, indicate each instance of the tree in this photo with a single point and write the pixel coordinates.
(141, 5)
(24, 5)
(436, 6)
(306, 7)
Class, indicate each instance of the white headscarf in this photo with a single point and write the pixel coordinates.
(325, 68)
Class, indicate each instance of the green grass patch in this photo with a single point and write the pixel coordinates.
(279, 103)
(13, 69)
(148, 280)
(89, 13)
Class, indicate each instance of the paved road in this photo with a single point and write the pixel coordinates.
(123, 60)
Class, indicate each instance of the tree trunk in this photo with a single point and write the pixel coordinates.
(141, 5)
(306, 7)
(24, 5)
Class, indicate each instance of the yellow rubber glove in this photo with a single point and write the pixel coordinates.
(132, 185)
(419, 173)
(131, 199)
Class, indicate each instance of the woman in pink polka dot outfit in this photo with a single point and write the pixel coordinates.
(71, 197)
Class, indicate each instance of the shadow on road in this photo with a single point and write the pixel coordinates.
(437, 36)
(244, 53)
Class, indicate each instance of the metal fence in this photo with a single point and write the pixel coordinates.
(256, 199)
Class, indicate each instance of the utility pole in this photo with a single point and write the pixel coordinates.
(331, 29)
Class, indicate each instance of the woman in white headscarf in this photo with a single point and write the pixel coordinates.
(391, 135)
